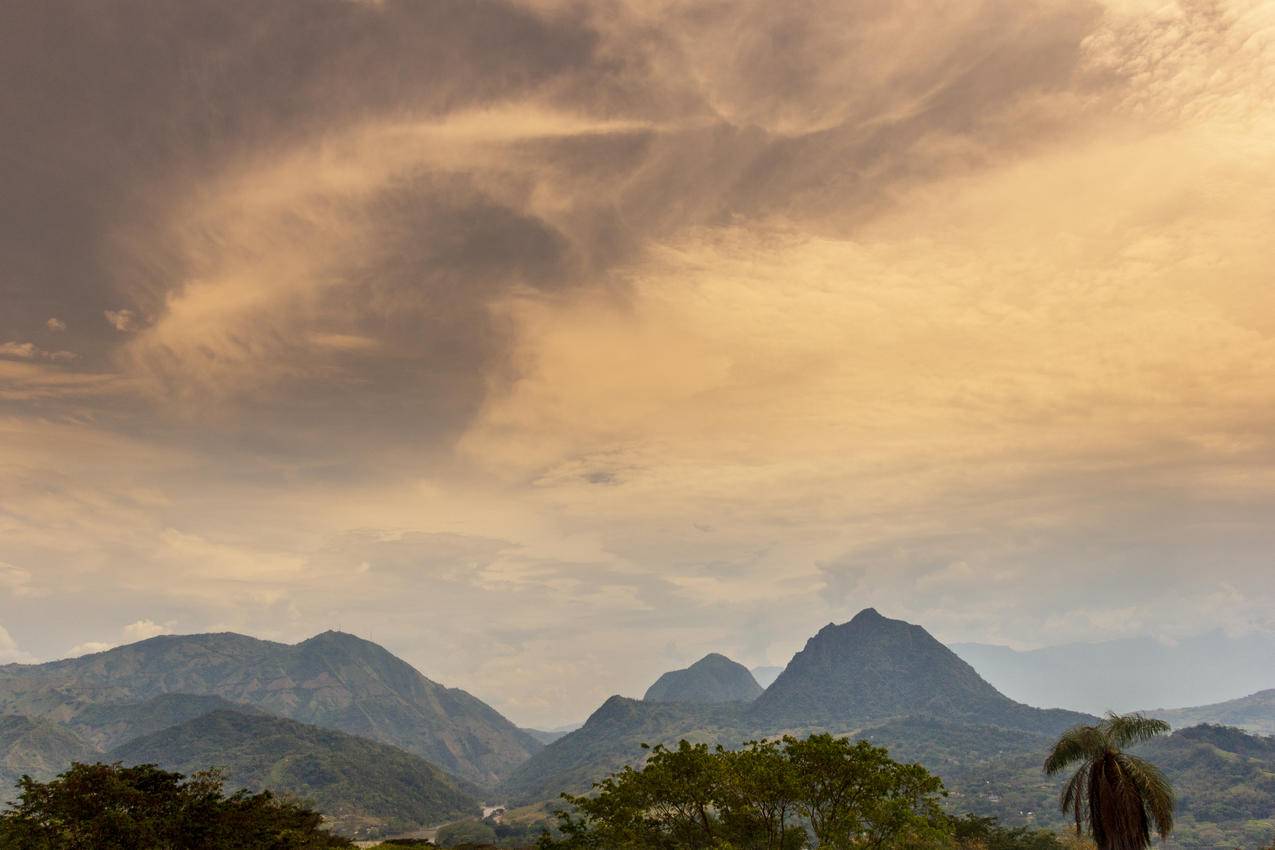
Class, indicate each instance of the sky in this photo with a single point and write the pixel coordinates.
(553, 344)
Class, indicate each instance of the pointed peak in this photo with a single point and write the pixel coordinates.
(867, 615)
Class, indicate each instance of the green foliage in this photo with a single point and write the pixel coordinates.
(1116, 794)
(850, 794)
(365, 788)
(975, 832)
(466, 832)
(111, 807)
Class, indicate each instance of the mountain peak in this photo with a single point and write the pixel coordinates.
(714, 678)
(874, 668)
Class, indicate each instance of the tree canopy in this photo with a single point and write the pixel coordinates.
(769, 795)
(111, 807)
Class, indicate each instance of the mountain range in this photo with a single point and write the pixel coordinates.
(1131, 673)
(848, 678)
(1253, 713)
(377, 746)
(333, 680)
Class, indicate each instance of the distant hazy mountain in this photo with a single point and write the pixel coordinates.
(852, 678)
(360, 784)
(873, 668)
(334, 680)
(548, 736)
(39, 748)
(1129, 674)
(1253, 713)
(714, 678)
(765, 675)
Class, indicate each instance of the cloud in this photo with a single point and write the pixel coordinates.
(30, 351)
(20, 350)
(9, 651)
(55, 325)
(88, 648)
(143, 629)
(561, 325)
(124, 321)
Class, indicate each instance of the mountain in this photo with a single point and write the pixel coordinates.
(39, 748)
(548, 736)
(871, 676)
(1253, 713)
(1224, 780)
(612, 738)
(1130, 673)
(108, 725)
(714, 678)
(362, 786)
(764, 676)
(334, 680)
(873, 668)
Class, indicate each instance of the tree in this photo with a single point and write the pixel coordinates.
(1118, 795)
(855, 795)
(111, 807)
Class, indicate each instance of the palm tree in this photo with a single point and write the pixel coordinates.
(1119, 795)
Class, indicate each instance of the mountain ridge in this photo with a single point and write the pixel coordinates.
(333, 679)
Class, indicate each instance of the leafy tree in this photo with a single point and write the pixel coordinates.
(1118, 795)
(853, 795)
(110, 807)
(759, 797)
(973, 832)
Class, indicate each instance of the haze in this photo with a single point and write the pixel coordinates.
(554, 345)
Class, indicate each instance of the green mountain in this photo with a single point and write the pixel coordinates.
(1224, 780)
(714, 678)
(362, 786)
(873, 668)
(39, 748)
(1253, 713)
(334, 680)
(108, 725)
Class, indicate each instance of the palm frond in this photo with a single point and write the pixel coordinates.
(1074, 792)
(1153, 788)
(1081, 743)
(1126, 730)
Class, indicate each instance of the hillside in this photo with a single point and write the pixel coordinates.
(612, 737)
(1129, 673)
(335, 680)
(1253, 713)
(874, 668)
(362, 785)
(39, 748)
(714, 678)
(108, 725)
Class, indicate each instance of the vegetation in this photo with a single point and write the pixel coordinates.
(365, 788)
(765, 796)
(111, 807)
(1117, 794)
(333, 680)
